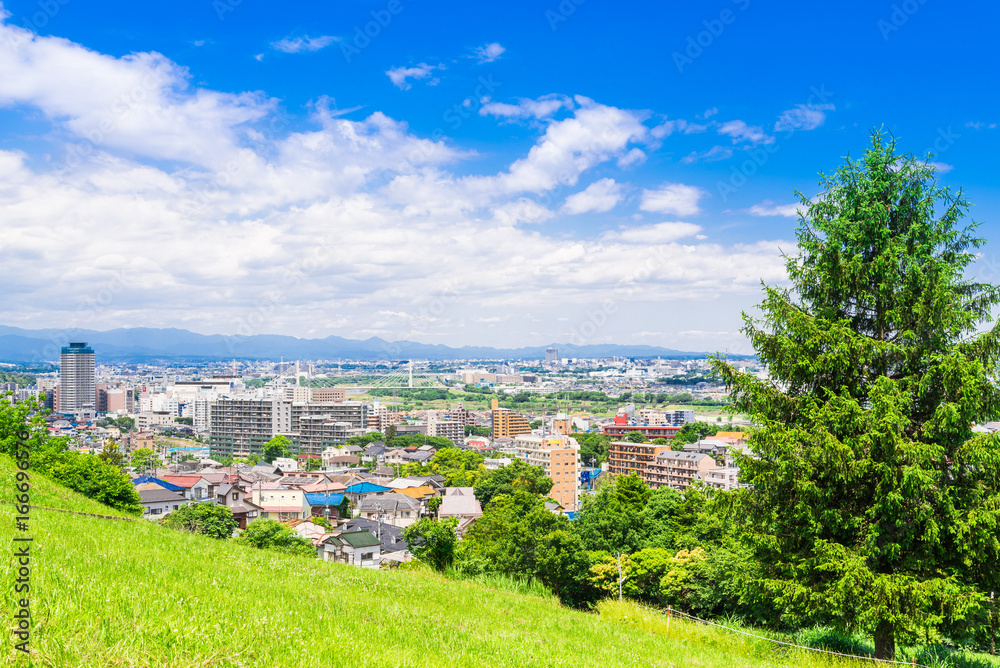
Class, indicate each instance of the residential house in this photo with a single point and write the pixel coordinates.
(186, 481)
(159, 502)
(460, 502)
(281, 504)
(358, 548)
(362, 490)
(374, 452)
(394, 546)
(325, 505)
(234, 498)
(393, 508)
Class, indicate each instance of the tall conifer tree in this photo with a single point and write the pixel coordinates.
(871, 502)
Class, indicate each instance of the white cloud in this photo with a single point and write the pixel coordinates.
(770, 208)
(543, 107)
(673, 198)
(942, 167)
(661, 233)
(304, 43)
(739, 131)
(599, 196)
(802, 117)
(489, 52)
(594, 134)
(399, 75)
(330, 226)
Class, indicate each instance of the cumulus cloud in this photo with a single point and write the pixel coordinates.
(673, 198)
(304, 43)
(400, 75)
(599, 196)
(489, 52)
(228, 219)
(660, 233)
(802, 117)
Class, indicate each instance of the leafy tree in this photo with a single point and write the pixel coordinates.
(460, 468)
(112, 454)
(268, 534)
(872, 503)
(692, 432)
(185, 420)
(433, 504)
(561, 564)
(344, 508)
(209, 519)
(636, 437)
(144, 459)
(90, 476)
(126, 423)
(516, 476)
(433, 541)
(390, 433)
(472, 430)
(321, 521)
(15, 419)
(593, 447)
(313, 463)
(279, 446)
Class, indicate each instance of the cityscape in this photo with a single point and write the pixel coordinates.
(471, 335)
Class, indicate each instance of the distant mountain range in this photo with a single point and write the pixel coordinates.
(143, 344)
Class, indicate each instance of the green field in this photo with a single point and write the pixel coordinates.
(113, 593)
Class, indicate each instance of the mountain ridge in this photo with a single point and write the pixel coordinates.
(149, 343)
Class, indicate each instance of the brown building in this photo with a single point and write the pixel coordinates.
(507, 423)
(658, 465)
(625, 457)
(559, 456)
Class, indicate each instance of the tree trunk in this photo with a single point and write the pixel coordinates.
(885, 640)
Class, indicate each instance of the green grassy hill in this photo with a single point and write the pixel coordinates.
(113, 593)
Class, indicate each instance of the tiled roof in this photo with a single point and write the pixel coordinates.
(360, 538)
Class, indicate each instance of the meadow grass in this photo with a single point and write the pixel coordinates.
(135, 594)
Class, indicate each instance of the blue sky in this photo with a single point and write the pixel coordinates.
(505, 174)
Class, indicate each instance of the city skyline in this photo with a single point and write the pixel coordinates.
(369, 171)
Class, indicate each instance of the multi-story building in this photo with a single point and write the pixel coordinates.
(560, 457)
(507, 423)
(77, 380)
(650, 431)
(551, 355)
(625, 457)
(441, 424)
(476, 377)
(297, 394)
(324, 395)
(355, 413)
(316, 433)
(678, 469)
(240, 427)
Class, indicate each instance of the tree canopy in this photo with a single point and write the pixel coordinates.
(514, 477)
(872, 505)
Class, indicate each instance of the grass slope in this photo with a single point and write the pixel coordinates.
(108, 593)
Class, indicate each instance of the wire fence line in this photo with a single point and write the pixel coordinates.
(76, 512)
(671, 610)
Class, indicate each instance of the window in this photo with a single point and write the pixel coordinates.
(155, 511)
(236, 496)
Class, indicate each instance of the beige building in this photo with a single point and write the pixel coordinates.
(559, 456)
(322, 395)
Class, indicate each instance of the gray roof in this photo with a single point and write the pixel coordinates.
(389, 502)
(392, 536)
(160, 496)
(681, 456)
